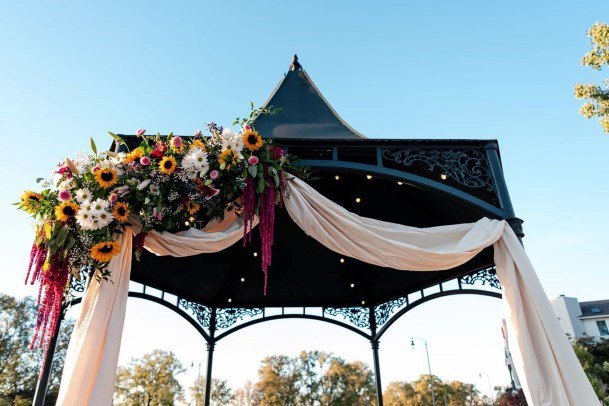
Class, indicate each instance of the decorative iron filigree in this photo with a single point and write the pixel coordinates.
(226, 317)
(485, 276)
(385, 310)
(359, 316)
(466, 166)
(201, 313)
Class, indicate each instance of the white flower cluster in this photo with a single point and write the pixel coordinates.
(232, 141)
(195, 163)
(92, 215)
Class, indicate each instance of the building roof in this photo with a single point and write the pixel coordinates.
(304, 112)
(594, 308)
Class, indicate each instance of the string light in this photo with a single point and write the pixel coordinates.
(443, 176)
(368, 177)
(400, 183)
(353, 285)
(255, 254)
(242, 279)
(363, 302)
(230, 300)
(187, 223)
(337, 177)
(342, 260)
(357, 200)
(191, 218)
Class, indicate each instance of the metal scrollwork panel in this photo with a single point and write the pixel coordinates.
(486, 276)
(201, 313)
(358, 316)
(385, 310)
(226, 317)
(466, 166)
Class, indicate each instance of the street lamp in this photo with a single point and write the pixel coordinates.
(433, 394)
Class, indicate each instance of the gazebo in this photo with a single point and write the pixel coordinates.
(430, 182)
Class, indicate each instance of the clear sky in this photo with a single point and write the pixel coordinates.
(435, 69)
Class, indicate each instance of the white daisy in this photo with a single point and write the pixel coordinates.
(99, 206)
(83, 195)
(233, 141)
(195, 163)
(85, 220)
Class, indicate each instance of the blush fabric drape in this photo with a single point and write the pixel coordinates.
(546, 364)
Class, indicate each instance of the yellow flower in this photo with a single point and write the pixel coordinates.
(134, 155)
(66, 211)
(167, 165)
(104, 251)
(192, 207)
(106, 177)
(227, 157)
(252, 140)
(30, 200)
(198, 144)
(121, 212)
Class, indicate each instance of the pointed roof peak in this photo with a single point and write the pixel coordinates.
(295, 64)
(303, 111)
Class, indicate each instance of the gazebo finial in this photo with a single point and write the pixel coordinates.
(295, 64)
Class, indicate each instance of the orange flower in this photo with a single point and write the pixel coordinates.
(252, 140)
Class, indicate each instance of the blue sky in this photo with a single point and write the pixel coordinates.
(437, 69)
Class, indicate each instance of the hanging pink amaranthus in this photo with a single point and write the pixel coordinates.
(267, 226)
(249, 209)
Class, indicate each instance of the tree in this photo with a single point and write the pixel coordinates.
(20, 366)
(314, 378)
(249, 395)
(418, 393)
(594, 358)
(508, 396)
(150, 380)
(597, 96)
(221, 393)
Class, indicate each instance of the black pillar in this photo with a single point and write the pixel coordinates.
(377, 372)
(45, 373)
(211, 344)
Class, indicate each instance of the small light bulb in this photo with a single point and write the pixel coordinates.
(191, 218)
(337, 177)
(400, 183)
(443, 176)
(342, 260)
(242, 279)
(363, 302)
(357, 200)
(230, 300)
(368, 177)
(353, 285)
(255, 254)
(187, 223)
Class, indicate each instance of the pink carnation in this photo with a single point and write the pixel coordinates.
(177, 142)
(145, 161)
(140, 132)
(65, 195)
(253, 160)
(214, 174)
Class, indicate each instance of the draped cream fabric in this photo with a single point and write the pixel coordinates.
(548, 369)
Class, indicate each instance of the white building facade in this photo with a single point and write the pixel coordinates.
(582, 319)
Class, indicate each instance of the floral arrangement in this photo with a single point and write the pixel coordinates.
(168, 183)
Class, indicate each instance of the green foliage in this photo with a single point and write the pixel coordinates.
(150, 381)
(418, 393)
(597, 97)
(255, 113)
(20, 366)
(594, 358)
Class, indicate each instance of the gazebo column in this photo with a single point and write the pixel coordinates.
(375, 356)
(45, 374)
(211, 345)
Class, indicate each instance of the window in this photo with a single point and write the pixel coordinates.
(595, 310)
(602, 327)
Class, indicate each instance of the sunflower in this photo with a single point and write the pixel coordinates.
(121, 211)
(192, 207)
(198, 144)
(252, 140)
(104, 251)
(227, 157)
(66, 211)
(29, 201)
(106, 177)
(134, 155)
(167, 165)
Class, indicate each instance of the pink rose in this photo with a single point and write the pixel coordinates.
(214, 174)
(247, 127)
(253, 160)
(177, 142)
(145, 161)
(140, 132)
(64, 195)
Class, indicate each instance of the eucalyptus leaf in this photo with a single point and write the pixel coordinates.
(38, 180)
(93, 146)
